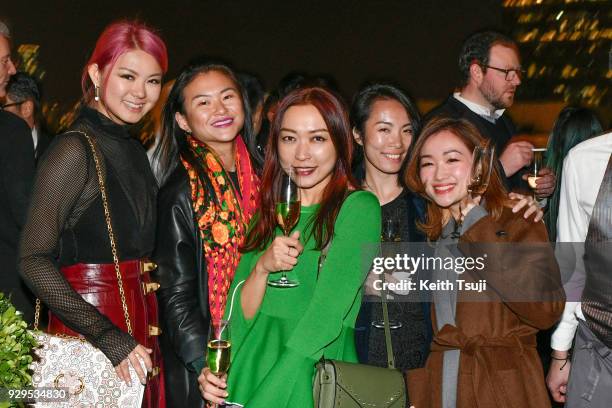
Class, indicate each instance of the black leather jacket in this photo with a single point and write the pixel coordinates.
(183, 294)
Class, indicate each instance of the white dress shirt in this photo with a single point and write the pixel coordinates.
(583, 171)
(480, 110)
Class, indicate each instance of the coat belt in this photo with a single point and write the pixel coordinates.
(453, 338)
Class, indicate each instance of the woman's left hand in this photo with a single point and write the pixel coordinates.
(522, 201)
(137, 358)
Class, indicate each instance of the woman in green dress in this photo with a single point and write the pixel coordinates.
(278, 334)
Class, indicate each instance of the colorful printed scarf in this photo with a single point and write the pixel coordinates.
(223, 224)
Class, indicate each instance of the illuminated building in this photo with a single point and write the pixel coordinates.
(28, 61)
(566, 48)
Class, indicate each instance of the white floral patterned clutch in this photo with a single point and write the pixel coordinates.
(84, 372)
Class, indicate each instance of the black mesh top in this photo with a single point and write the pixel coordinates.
(66, 224)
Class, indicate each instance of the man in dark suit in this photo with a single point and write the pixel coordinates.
(490, 71)
(23, 99)
(16, 179)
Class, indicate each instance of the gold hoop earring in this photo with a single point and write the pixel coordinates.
(96, 93)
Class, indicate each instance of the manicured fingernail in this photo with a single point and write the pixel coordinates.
(225, 394)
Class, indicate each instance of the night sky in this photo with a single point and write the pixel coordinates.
(413, 43)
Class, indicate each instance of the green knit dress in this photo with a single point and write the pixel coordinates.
(275, 352)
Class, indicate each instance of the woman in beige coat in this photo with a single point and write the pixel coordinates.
(484, 348)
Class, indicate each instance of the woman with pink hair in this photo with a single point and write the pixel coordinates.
(67, 254)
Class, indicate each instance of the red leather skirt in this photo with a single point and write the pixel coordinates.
(97, 283)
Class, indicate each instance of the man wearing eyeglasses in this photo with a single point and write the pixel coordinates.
(16, 179)
(491, 72)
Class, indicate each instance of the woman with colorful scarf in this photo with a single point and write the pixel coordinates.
(209, 193)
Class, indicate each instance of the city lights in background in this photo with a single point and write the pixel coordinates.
(28, 57)
(566, 48)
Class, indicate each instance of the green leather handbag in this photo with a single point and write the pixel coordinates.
(347, 385)
(338, 384)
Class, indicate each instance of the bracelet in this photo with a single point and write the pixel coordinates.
(566, 359)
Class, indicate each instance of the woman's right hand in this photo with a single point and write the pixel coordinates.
(140, 353)
(468, 205)
(212, 387)
(281, 255)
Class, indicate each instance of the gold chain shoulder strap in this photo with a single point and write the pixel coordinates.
(111, 236)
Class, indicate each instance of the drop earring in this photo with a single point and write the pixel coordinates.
(96, 93)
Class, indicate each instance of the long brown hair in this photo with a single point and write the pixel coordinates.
(495, 198)
(335, 115)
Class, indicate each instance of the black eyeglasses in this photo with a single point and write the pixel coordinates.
(8, 105)
(511, 74)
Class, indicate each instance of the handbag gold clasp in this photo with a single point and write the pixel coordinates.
(147, 266)
(80, 388)
(154, 372)
(150, 287)
(154, 330)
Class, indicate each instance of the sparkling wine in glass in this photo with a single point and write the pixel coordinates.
(536, 166)
(482, 165)
(287, 211)
(219, 347)
(287, 216)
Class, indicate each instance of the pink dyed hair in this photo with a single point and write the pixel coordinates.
(118, 38)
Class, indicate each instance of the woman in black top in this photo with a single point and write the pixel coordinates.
(385, 122)
(207, 161)
(66, 255)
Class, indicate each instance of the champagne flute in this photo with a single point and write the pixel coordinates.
(390, 230)
(287, 216)
(480, 175)
(536, 166)
(390, 233)
(482, 166)
(219, 347)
